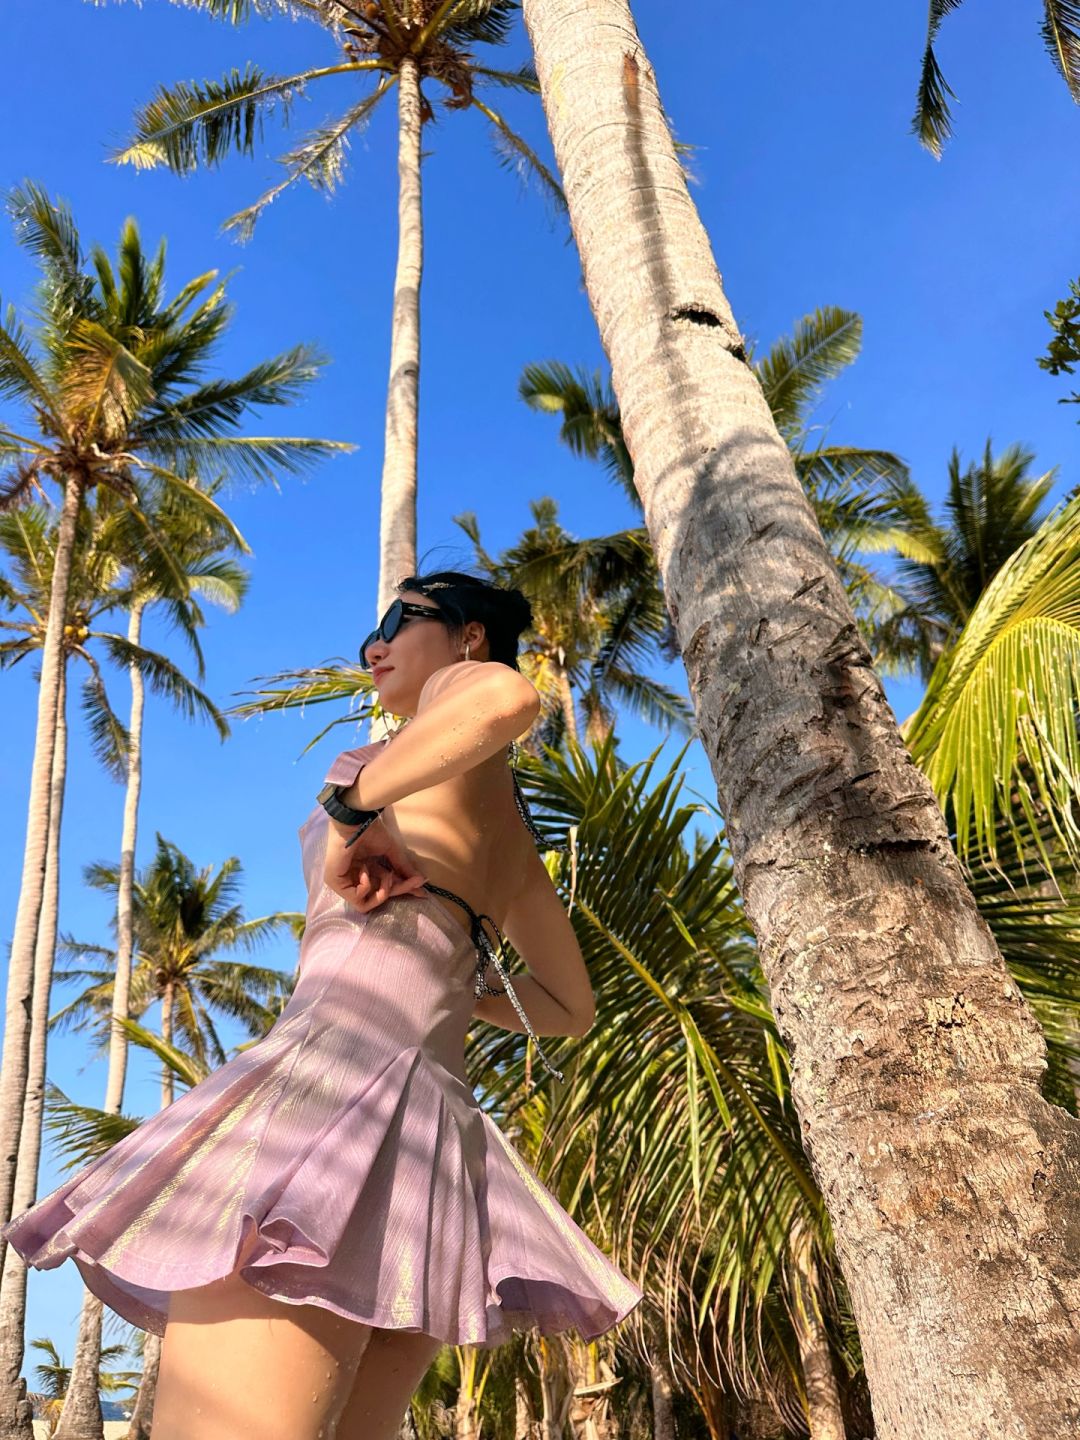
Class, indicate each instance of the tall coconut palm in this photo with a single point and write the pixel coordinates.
(52, 1378)
(415, 45)
(108, 544)
(932, 121)
(840, 852)
(186, 922)
(114, 393)
(202, 557)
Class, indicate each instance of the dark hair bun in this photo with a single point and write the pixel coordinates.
(504, 612)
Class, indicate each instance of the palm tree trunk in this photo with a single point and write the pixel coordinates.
(523, 1414)
(167, 1077)
(825, 1415)
(566, 701)
(15, 1066)
(397, 527)
(961, 1259)
(81, 1417)
(142, 1415)
(13, 1286)
(662, 1400)
(125, 938)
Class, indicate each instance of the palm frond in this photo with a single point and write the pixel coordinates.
(996, 732)
(932, 121)
(216, 407)
(479, 22)
(1061, 32)
(109, 738)
(165, 679)
(524, 78)
(80, 1133)
(192, 124)
(104, 382)
(320, 159)
(46, 229)
(21, 377)
(514, 153)
(794, 371)
(254, 459)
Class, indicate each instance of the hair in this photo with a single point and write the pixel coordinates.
(504, 613)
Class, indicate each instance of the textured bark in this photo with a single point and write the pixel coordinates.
(566, 701)
(125, 939)
(168, 1079)
(524, 1427)
(81, 1417)
(950, 1182)
(139, 1428)
(13, 1287)
(824, 1410)
(662, 1400)
(15, 1066)
(397, 523)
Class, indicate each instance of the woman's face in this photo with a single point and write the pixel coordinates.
(400, 667)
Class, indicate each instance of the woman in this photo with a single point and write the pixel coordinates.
(310, 1223)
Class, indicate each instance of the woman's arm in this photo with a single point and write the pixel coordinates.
(556, 994)
(467, 712)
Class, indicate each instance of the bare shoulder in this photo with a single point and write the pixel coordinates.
(464, 677)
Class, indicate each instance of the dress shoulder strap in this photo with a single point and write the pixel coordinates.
(542, 841)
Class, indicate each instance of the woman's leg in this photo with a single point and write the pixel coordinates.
(392, 1367)
(236, 1365)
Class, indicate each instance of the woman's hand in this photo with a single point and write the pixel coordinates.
(371, 869)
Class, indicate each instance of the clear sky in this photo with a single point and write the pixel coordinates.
(814, 193)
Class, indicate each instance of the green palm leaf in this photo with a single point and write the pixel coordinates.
(795, 370)
(996, 732)
(189, 124)
(320, 159)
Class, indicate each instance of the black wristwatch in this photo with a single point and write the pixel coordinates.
(329, 797)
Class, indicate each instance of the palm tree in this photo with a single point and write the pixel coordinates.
(383, 43)
(840, 851)
(598, 617)
(186, 923)
(991, 509)
(53, 1377)
(863, 498)
(932, 121)
(114, 393)
(106, 548)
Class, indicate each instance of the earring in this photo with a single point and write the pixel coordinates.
(468, 652)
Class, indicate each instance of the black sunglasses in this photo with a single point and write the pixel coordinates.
(398, 612)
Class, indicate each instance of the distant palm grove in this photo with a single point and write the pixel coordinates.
(826, 1117)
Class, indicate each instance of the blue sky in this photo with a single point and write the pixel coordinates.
(813, 192)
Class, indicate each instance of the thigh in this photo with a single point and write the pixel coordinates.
(234, 1363)
(392, 1367)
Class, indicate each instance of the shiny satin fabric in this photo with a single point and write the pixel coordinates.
(342, 1161)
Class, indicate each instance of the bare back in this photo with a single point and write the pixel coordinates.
(465, 833)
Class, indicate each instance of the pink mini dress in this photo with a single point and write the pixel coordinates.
(343, 1160)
